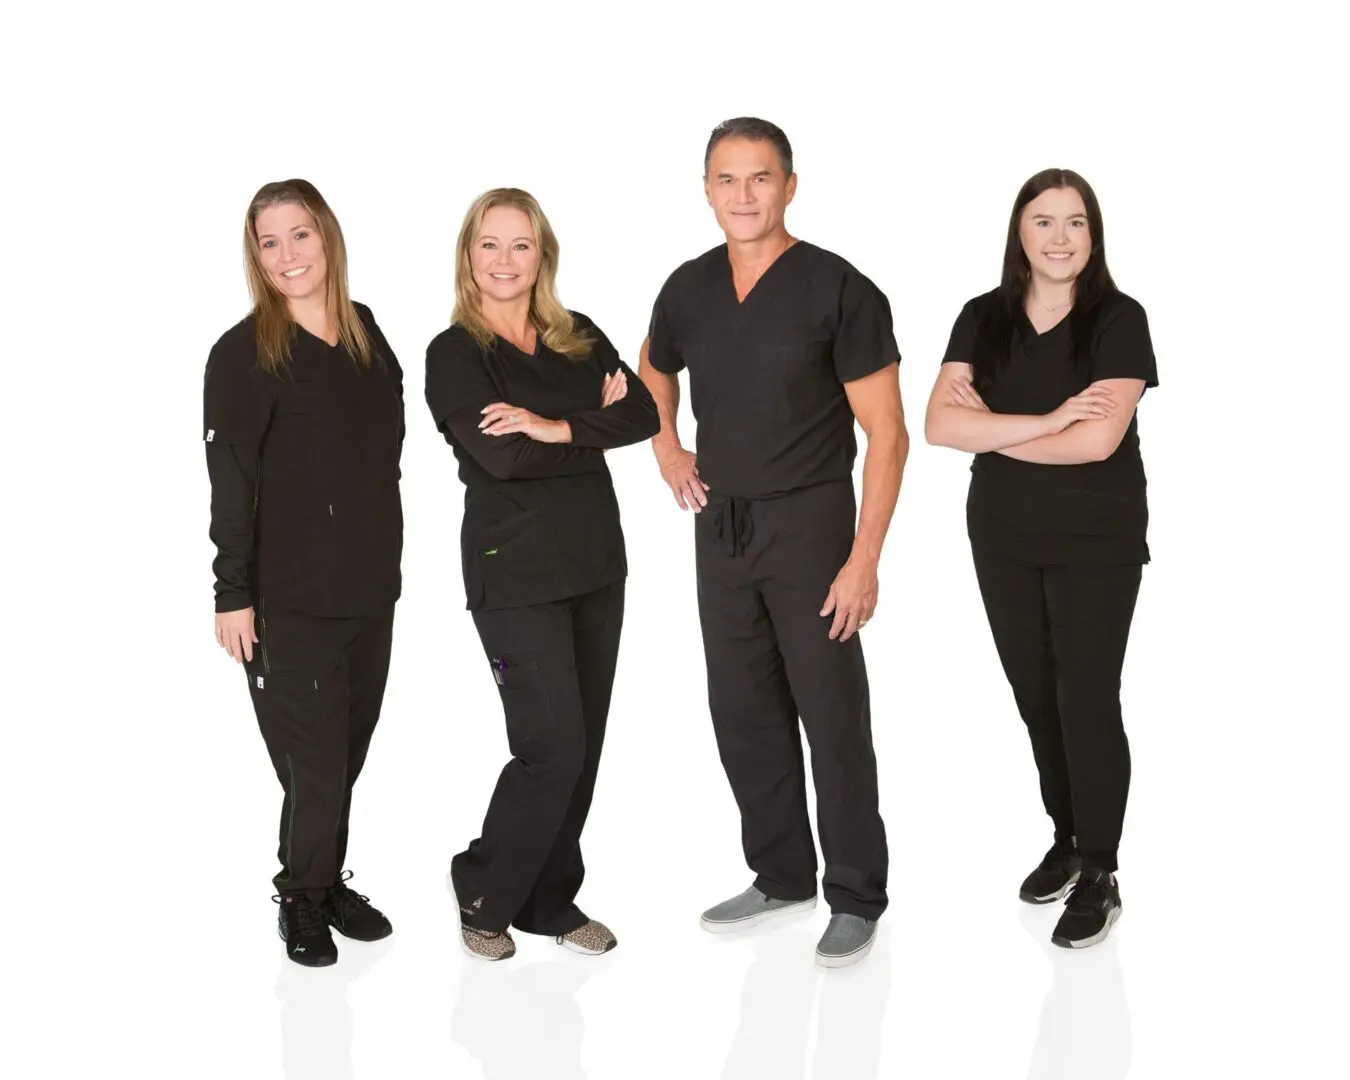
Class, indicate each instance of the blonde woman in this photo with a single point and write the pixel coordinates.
(303, 429)
(529, 396)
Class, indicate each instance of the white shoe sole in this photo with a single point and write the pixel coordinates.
(574, 947)
(1095, 939)
(1059, 895)
(827, 960)
(736, 925)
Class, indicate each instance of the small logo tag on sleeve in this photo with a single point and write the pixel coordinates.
(210, 434)
(260, 682)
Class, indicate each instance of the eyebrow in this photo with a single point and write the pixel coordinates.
(527, 239)
(761, 172)
(272, 236)
(1051, 217)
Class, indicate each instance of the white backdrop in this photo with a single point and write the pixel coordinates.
(138, 801)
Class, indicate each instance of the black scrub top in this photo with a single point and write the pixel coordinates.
(1095, 512)
(767, 374)
(541, 522)
(304, 466)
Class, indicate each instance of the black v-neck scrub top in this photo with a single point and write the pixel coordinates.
(767, 374)
(541, 522)
(1095, 512)
(304, 466)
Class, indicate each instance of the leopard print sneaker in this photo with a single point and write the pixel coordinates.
(593, 939)
(485, 944)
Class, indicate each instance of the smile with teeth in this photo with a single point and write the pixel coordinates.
(1059, 254)
(295, 273)
(505, 277)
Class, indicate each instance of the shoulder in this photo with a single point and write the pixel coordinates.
(364, 313)
(237, 348)
(454, 342)
(1116, 312)
(977, 307)
(840, 275)
(692, 271)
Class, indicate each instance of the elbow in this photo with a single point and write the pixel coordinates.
(932, 432)
(1103, 448)
(502, 467)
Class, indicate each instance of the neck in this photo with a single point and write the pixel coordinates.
(508, 318)
(311, 312)
(1047, 293)
(752, 255)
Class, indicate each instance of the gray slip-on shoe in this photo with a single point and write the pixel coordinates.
(846, 940)
(749, 909)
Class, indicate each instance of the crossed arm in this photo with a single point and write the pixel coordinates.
(1087, 427)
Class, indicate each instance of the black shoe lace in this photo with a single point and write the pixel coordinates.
(346, 900)
(304, 918)
(1089, 892)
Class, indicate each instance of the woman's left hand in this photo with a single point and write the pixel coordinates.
(499, 418)
(962, 392)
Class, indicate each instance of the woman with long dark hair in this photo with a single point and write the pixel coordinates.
(529, 396)
(1040, 381)
(303, 429)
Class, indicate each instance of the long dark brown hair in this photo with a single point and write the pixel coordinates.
(271, 316)
(999, 321)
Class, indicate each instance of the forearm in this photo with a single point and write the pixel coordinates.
(883, 468)
(978, 431)
(665, 391)
(629, 420)
(1077, 444)
(234, 483)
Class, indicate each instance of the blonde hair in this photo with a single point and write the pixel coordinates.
(274, 328)
(551, 320)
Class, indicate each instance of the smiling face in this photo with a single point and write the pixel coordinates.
(505, 254)
(747, 188)
(290, 250)
(1055, 235)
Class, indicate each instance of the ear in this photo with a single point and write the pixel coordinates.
(791, 188)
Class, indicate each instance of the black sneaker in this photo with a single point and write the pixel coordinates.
(301, 924)
(1091, 910)
(1051, 880)
(350, 913)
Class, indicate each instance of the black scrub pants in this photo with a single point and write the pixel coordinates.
(554, 666)
(764, 570)
(1061, 633)
(317, 685)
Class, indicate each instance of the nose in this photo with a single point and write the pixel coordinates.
(745, 191)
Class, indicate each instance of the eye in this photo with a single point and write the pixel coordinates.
(488, 245)
(269, 243)
(302, 234)
(522, 247)
(1079, 223)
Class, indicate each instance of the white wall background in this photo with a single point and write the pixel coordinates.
(138, 803)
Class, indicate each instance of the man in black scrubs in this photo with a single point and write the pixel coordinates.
(786, 344)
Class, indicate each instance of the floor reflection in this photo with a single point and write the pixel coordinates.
(781, 985)
(1085, 1021)
(316, 1018)
(524, 1021)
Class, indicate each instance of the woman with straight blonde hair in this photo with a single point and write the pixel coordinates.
(303, 430)
(529, 396)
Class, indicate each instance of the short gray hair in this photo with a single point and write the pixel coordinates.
(751, 127)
